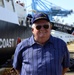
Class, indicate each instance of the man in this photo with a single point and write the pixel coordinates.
(41, 54)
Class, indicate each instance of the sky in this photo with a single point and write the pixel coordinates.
(66, 4)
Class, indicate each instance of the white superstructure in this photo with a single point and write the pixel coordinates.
(62, 35)
(12, 12)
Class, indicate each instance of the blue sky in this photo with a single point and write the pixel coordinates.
(66, 4)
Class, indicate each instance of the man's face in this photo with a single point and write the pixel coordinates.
(41, 31)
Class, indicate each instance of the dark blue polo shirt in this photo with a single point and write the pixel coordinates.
(33, 59)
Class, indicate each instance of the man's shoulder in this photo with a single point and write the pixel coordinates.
(58, 40)
(23, 44)
(25, 41)
(58, 43)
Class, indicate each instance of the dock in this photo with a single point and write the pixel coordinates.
(71, 47)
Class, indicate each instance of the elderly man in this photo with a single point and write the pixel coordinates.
(41, 54)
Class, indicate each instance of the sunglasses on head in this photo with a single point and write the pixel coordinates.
(38, 27)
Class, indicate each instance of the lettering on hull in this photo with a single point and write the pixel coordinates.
(5, 43)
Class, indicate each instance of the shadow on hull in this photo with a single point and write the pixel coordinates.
(9, 33)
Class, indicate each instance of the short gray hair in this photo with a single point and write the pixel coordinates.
(33, 25)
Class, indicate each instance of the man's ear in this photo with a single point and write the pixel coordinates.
(32, 29)
(51, 25)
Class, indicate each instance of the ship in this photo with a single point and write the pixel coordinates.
(12, 26)
(63, 31)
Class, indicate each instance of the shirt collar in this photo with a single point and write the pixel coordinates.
(31, 41)
(51, 39)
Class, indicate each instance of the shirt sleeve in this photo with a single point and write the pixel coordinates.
(66, 58)
(17, 60)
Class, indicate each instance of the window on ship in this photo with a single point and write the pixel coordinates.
(1, 3)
